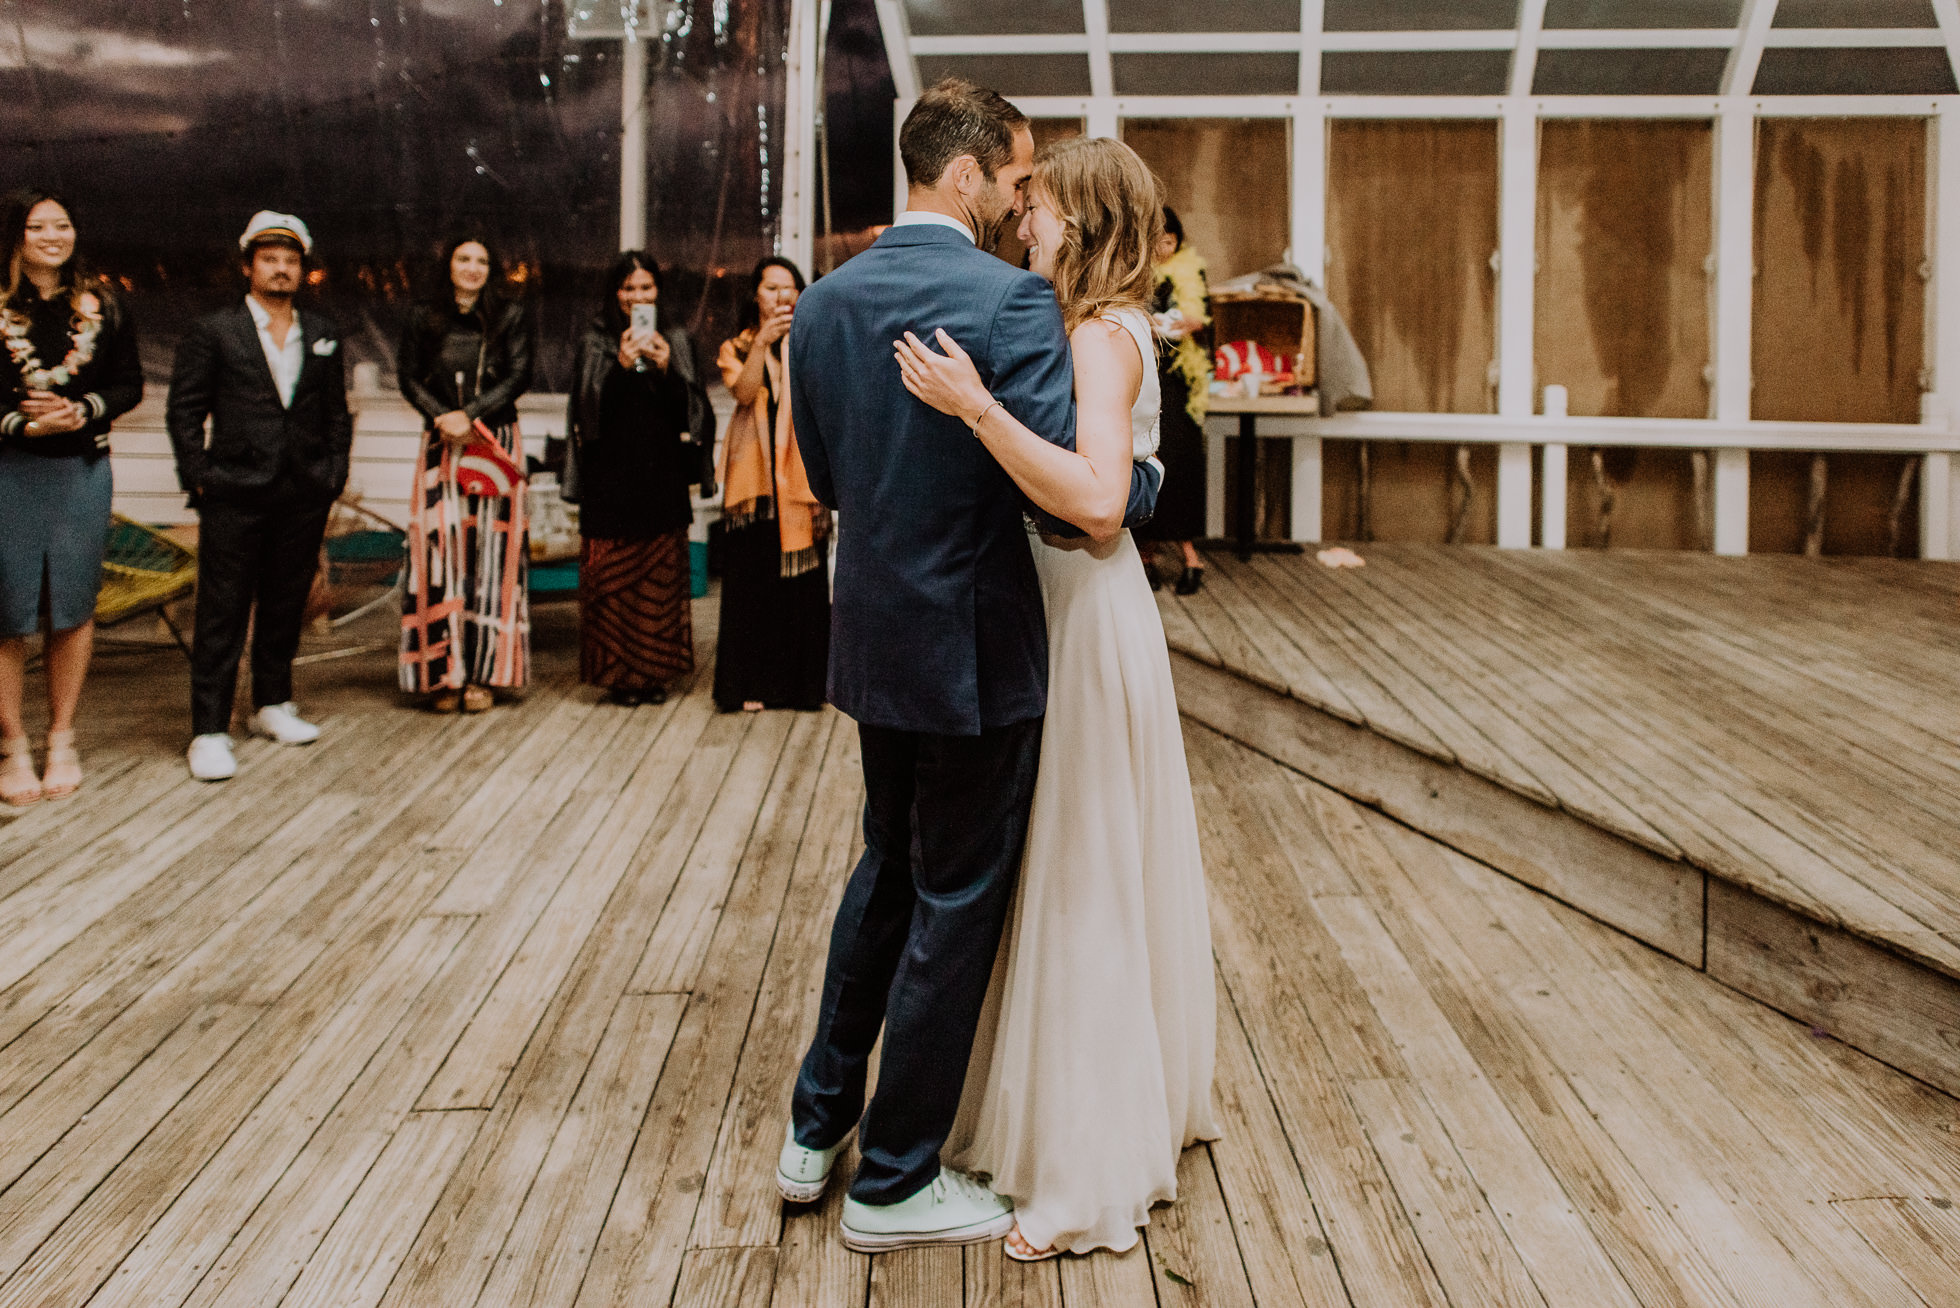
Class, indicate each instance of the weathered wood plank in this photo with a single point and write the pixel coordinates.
(362, 1251)
(917, 1276)
(1194, 1255)
(727, 1278)
(1920, 1238)
(1651, 898)
(1867, 996)
(739, 1204)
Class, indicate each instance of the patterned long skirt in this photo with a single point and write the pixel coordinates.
(466, 613)
(635, 623)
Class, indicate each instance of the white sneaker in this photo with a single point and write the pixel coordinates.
(802, 1173)
(282, 722)
(954, 1209)
(211, 758)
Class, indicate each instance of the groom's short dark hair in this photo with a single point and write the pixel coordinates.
(953, 118)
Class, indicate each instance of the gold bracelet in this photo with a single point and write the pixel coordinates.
(981, 417)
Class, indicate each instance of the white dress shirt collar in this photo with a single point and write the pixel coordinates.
(916, 217)
(285, 361)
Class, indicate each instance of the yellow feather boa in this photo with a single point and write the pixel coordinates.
(1190, 295)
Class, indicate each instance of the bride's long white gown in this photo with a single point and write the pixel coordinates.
(1093, 1068)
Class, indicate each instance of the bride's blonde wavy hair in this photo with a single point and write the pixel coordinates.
(1111, 215)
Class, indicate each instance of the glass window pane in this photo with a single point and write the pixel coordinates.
(1915, 70)
(1265, 73)
(973, 18)
(1629, 72)
(1219, 16)
(1569, 14)
(1420, 15)
(1012, 74)
(1415, 72)
(1856, 13)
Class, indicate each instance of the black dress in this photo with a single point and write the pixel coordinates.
(1181, 449)
(774, 646)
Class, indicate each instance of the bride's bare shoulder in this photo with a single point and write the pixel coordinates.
(1103, 341)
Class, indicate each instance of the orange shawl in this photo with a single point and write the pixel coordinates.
(747, 492)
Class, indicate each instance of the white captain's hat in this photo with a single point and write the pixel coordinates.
(267, 225)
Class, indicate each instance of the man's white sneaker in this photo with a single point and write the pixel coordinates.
(801, 1173)
(282, 722)
(954, 1209)
(211, 758)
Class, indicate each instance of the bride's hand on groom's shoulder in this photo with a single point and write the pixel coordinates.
(948, 382)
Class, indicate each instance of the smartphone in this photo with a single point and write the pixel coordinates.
(645, 316)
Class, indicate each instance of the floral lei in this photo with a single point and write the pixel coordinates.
(86, 327)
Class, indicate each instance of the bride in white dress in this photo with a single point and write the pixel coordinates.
(1093, 1067)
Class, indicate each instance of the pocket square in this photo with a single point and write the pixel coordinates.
(324, 346)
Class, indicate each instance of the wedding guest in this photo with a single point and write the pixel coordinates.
(268, 375)
(465, 358)
(70, 369)
(773, 647)
(1181, 308)
(638, 421)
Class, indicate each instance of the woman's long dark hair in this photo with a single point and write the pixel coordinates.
(443, 292)
(75, 277)
(751, 315)
(628, 263)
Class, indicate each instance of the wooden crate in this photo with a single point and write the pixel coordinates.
(1284, 326)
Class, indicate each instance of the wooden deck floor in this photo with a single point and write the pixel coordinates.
(1788, 725)
(503, 1011)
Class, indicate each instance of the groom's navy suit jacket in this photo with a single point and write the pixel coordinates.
(937, 624)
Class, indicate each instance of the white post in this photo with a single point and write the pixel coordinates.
(1942, 333)
(900, 108)
(1551, 494)
(1732, 501)
(1306, 489)
(1936, 507)
(632, 143)
(796, 136)
(1307, 228)
(1516, 278)
(1734, 309)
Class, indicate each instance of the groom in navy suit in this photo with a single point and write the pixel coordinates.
(938, 650)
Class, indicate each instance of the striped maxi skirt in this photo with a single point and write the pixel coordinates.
(635, 621)
(466, 614)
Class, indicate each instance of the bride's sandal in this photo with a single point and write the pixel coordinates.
(18, 784)
(64, 775)
(1015, 1246)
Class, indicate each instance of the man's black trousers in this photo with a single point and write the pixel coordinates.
(263, 556)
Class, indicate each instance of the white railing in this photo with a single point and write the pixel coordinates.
(1730, 442)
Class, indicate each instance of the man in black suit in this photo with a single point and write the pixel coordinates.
(939, 650)
(268, 376)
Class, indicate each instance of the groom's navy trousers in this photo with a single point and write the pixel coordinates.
(945, 819)
(938, 649)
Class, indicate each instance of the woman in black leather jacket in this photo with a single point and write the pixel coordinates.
(640, 428)
(465, 357)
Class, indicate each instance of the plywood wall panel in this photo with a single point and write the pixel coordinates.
(1410, 492)
(1840, 240)
(1230, 180)
(1623, 241)
(1411, 227)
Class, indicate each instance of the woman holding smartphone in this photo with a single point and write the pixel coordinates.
(465, 357)
(638, 419)
(773, 642)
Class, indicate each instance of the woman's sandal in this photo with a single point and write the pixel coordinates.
(1017, 1248)
(18, 784)
(477, 699)
(445, 701)
(64, 771)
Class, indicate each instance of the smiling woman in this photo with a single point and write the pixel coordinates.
(70, 369)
